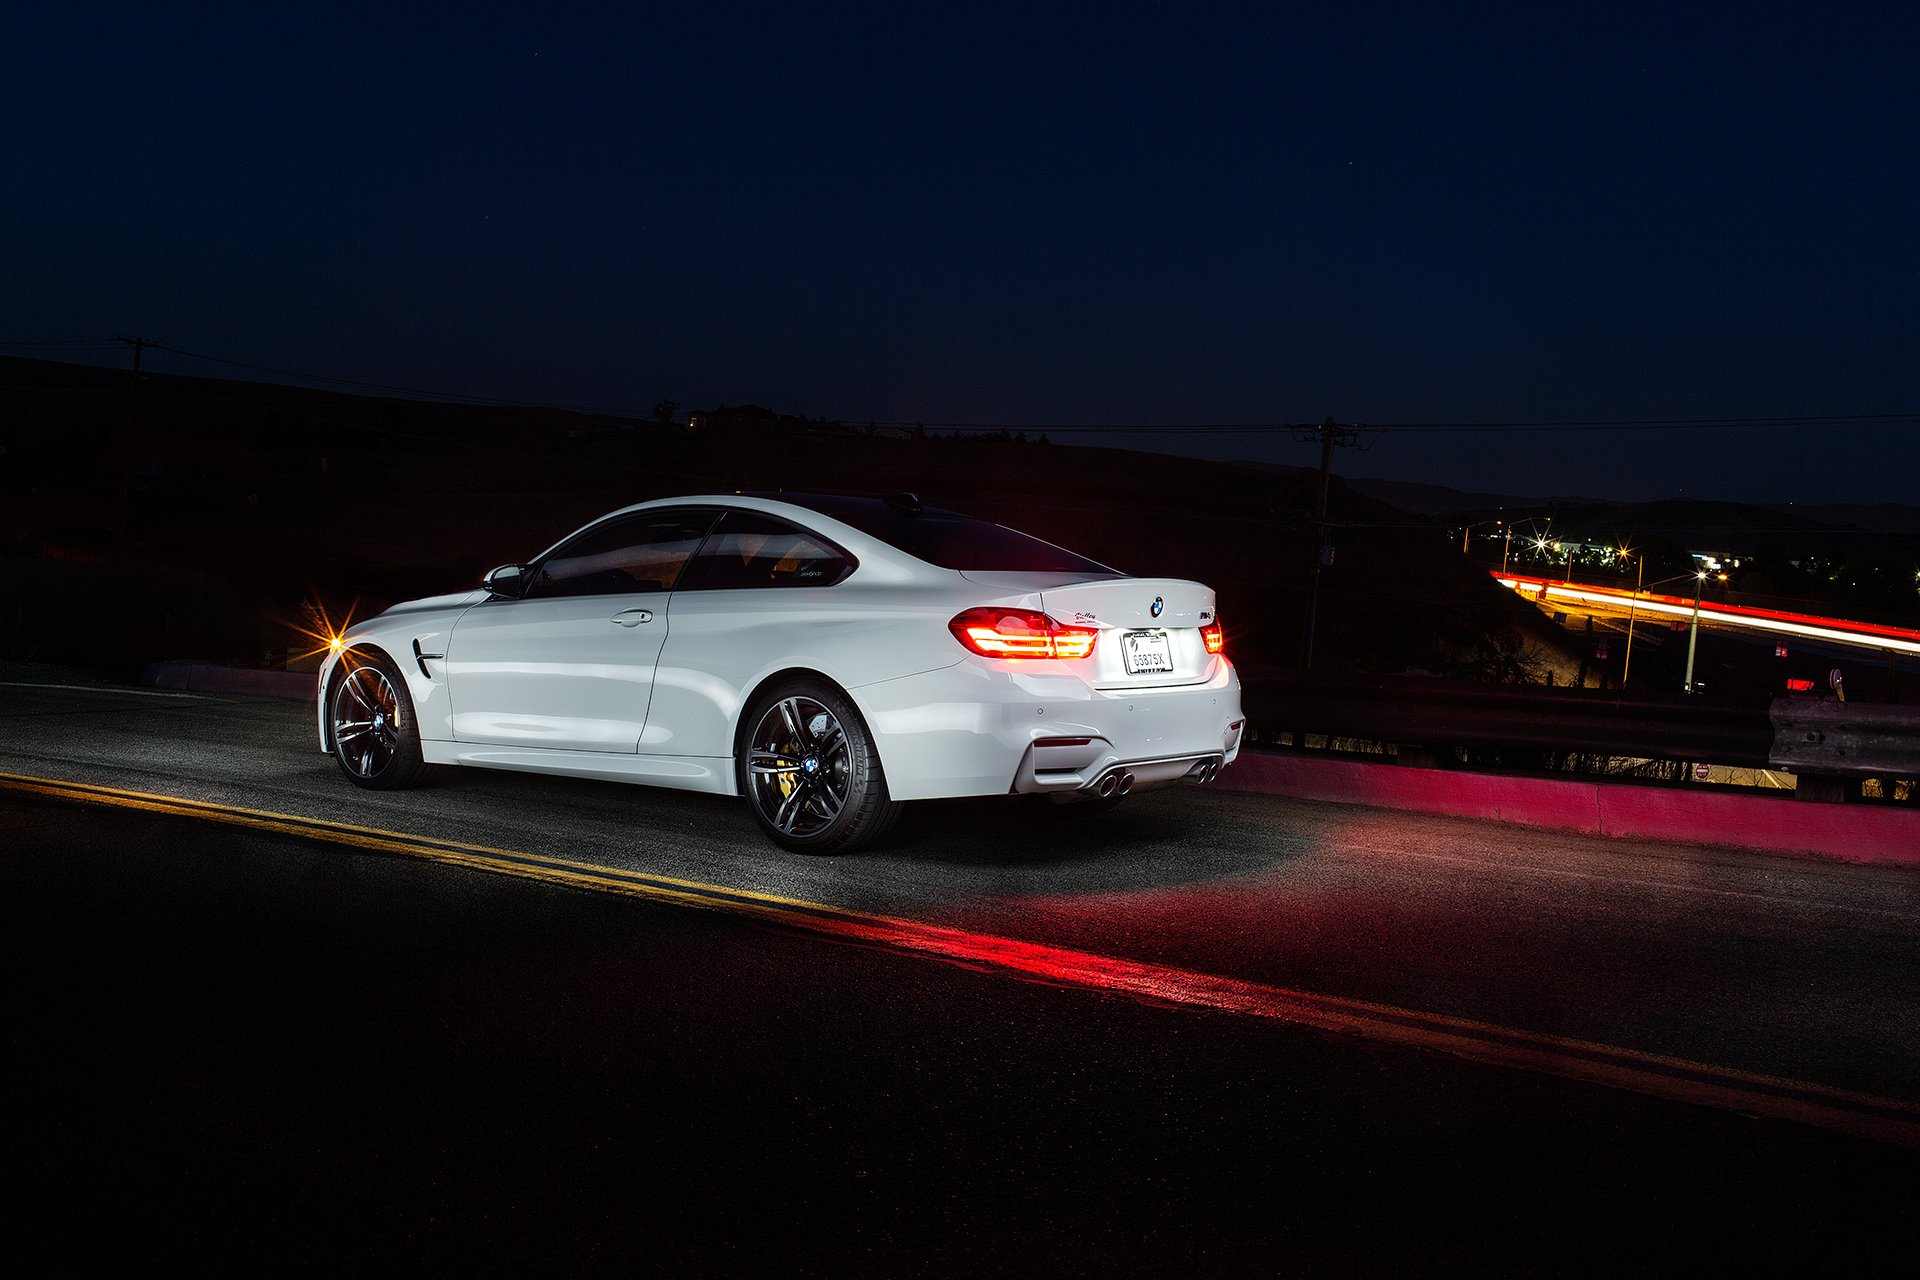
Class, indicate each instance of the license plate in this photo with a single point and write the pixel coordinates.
(1146, 651)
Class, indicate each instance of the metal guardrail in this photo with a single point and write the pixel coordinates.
(1846, 739)
(1423, 712)
(1813, 737)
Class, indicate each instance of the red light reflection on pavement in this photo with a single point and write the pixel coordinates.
(1885, 1120)
(1881, 1119)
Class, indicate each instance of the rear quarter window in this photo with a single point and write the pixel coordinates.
(748, 549)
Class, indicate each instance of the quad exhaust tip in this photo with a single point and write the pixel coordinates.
(1120, 782)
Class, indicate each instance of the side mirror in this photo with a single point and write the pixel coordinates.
(509, 581)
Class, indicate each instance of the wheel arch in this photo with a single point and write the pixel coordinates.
(358, 649)
(774, 680)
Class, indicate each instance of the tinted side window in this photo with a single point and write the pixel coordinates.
(747, 549)
(636, 554)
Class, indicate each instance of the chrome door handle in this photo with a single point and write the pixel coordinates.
(632, 617)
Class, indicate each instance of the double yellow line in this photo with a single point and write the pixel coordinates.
(1676, 1079)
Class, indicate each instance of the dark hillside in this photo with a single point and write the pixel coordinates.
(196, 517)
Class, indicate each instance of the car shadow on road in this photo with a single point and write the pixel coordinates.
(1161, 837)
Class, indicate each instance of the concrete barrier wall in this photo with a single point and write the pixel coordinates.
(210, 677)
(1689, 815)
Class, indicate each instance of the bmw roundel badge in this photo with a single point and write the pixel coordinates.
(1159, 603)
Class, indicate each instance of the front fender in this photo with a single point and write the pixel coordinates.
(414, 642)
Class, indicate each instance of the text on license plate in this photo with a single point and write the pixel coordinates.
(1146, 651)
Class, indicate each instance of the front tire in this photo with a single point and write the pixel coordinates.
(810, 772)
(376, 739)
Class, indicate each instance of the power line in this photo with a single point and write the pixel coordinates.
(1277, 428)
(1106, 428)
(67, 344)
(1665, 424)
(1852, 420)
(305, 376)
(382, 386)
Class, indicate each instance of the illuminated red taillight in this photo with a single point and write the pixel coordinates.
(1020, 633)
(1215, 638)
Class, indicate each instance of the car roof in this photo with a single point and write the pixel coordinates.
(870, 551)
(860, 525)
(830, 504)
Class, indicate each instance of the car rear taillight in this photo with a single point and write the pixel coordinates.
(1215, 638)
(1020, 633)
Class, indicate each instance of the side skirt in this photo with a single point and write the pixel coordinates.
(712, 774)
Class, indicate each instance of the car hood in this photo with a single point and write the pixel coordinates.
(454, 600)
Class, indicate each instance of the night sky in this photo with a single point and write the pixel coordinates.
(1032, 215)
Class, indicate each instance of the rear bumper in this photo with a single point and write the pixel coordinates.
(988, 728)
(1106, 772)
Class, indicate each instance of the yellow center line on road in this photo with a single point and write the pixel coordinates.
(1675, 1079)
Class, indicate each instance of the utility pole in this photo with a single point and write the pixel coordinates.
(1330, 434)
(139, 346)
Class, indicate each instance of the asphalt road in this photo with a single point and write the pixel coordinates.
(241, 1044)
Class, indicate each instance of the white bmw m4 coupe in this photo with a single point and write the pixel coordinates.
(828, 657)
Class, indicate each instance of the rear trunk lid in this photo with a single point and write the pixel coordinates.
(1149, 627)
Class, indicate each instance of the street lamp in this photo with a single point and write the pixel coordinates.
(1693, 635)
(1475, 525)
(1634, 608)
(1639, 571)
(1533, 535)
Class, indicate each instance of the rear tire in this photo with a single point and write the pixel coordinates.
(376, 739)
(810, 772)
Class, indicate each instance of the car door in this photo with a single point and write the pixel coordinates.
(569, 665)
(759, 592)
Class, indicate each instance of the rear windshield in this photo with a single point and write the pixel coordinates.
(951, 540)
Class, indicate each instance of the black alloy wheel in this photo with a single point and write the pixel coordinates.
(810, 771)
(376, 739)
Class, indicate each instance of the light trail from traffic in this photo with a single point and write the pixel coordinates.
(1864, 635)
